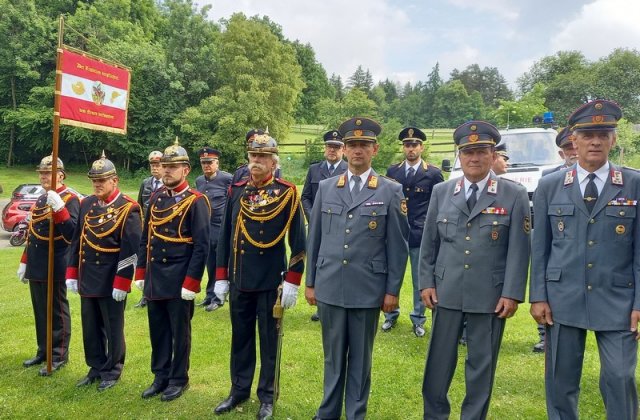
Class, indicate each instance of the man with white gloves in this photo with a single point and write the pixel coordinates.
(251, 256)
(102, 260)
(171, 260)
(62, 205)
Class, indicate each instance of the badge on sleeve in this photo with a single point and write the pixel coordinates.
(403, 206)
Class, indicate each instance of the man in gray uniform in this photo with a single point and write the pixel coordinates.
(213, 183)
(357, 255)
(585, 269)
(474, 260)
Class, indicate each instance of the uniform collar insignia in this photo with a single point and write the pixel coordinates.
(492, 187)
(616, 177)
(373, 182)
(341, 181)
(458, 187)
(425, 165)
(568, 177)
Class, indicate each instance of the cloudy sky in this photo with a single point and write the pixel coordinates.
(403, 39)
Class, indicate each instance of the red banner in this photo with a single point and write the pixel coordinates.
(93, 94)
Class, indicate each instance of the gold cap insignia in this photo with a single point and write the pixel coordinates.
(473, 138)
(357, 133)
(335, 134)
(473, 127)
(598, 105)
(597, 118)
(358, 122)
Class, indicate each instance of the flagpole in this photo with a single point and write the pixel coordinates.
(54, 184)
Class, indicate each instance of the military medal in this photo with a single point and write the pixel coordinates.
(620, 229)
(494, 235)
(561, 226)
(373, 225)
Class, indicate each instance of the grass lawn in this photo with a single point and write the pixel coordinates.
(399, 360)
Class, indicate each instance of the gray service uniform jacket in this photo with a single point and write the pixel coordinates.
(474, 259)
(357, 251)
(587, 267)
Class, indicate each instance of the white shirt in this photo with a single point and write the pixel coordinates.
(601, 177)
(415, 167)
(481, 184)
(363, 176)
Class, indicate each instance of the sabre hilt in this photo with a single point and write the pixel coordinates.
(278, 310)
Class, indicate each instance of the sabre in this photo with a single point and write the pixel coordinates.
(278, 314)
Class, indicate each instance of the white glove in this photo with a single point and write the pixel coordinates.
(54, 200)
(289, 295)
(118, 295)
(140, 284)
(188, 294)
(72, 284)
(220, 289)
(22, 268)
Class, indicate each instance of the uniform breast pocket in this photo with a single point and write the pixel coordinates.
(375, 219)
(330, 213)
(495, 228)
(562, 221)
(447, 226)
(619, 222)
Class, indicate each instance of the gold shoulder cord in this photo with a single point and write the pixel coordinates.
(245, 210)
(44, 216)
(176, 210)
(121, 212)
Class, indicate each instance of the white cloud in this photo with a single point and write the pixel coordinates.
(600, 27)
(502, 8)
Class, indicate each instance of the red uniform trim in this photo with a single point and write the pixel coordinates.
(23, 259)
(191, 284)
(222, 273)
(287, 183)
(140, 273)
(61, 216)
(293, 278)
(122, 283)
(72, 273)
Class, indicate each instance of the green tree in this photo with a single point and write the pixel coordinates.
(488, 81)
(520, 113)
(617, 77)
(361, 80)
(453, 106)
(338, 87)
(431, 86)
(317, 84)
(260, 80)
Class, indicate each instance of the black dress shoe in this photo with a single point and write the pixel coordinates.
(104, 385)
(37, 360)
(315, 317)
(153, 390)
(54, 366)
(265, 412)
(173, 391)
(87, 380)
(229, 404)
(141, 303)
(205, 302)
(212, 306)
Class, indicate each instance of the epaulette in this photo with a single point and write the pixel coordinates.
(287, 183)
(241, 183)
(129, 199)
(195, 192)
(390, 179)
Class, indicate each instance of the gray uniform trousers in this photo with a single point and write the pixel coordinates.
(618, 358)
(484, 335)
(348, 349)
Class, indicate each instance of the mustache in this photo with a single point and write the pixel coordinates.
(257, 165)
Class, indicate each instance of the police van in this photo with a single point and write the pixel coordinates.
(530, 150)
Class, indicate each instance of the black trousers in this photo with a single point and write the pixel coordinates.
(211, 272)
(103, 336)
(245, 307)
(61, 324)
(170, 333)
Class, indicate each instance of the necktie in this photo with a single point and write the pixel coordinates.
(356, 186)
(471, 201)
(590, 193)
(411, 172)
(156, 184)
(331, 169)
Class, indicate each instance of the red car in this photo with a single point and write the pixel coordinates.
(22, 198)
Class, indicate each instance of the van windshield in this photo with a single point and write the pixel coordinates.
(529, 149)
